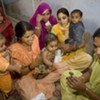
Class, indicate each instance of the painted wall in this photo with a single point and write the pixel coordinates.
(19, 9)
(90, 8)
(24, 9)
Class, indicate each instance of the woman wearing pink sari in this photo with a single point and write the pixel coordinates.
(43, 21)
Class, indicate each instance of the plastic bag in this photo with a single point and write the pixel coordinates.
(40, 96)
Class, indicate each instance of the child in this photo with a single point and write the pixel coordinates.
(5, 67)
(44, 62)
(66, 41)
(76, 31)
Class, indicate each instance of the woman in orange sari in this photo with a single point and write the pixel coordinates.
(28, 86)
(25, 54)
(26, 49)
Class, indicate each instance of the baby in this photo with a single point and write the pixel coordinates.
(76, 31)
(44, 62)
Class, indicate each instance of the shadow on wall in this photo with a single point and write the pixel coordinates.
(57, 4)
(90, 25)
(18, 9)
(89, 43)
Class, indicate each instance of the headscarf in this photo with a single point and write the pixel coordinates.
(41, 8)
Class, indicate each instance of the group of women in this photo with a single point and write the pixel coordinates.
(27, 47)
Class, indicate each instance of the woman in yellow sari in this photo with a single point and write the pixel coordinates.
(75, 57)
(61, 29)
(86, 86)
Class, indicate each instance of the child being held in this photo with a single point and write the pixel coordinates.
(76, 30)
(44, 62)
(5, 67)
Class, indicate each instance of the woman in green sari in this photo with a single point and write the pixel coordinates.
(78, 86)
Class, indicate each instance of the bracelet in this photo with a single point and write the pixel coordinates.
(37, 27)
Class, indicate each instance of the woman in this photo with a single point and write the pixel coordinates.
(75, 57)
(26, 49)
(61, 29)
(43, 21)
(33, 87)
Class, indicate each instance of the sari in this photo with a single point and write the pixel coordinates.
(21, 53)
(78, 59)
(41, 8)
(60, 32)
(93, 84)
(33, 87)
(5, 77)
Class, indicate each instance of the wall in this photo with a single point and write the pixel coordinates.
(19, 9)
(24, 9)
(90, 8)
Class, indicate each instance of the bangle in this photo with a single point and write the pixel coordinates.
(37, 27)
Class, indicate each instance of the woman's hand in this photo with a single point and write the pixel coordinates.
(76, 84)
(39, 18)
